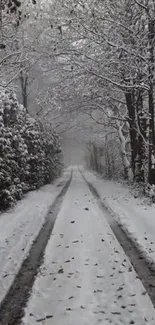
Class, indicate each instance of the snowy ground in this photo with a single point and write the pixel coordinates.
(136, 217)
(19, 227)
(86, 278)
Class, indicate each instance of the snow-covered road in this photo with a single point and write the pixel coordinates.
(86, 277)
(135, 216)
(19, 227)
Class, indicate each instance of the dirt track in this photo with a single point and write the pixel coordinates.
(144, 270)
(12, 308)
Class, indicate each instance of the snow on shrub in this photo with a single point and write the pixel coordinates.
(29, 154)
(150, 191)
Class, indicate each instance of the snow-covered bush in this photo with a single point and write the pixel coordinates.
(29, 154)
(150, 192)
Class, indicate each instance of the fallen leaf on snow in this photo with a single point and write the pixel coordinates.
(40, 320)
(49, 316)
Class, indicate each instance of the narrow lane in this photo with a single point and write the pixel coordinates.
(144, 269)
(86, 278)
(12, 306)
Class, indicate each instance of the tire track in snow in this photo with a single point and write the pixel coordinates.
(12, 307)
(144, 270)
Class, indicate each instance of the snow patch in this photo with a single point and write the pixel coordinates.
(20, 226)
(86, 278)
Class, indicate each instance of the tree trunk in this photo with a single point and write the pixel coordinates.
(151, 173)
(130, 101)
(24, 84)
(127, 167)
(141, 139)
